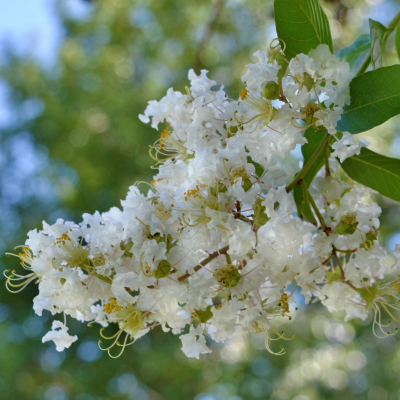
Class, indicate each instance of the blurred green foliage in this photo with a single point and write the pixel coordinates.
(75, 144)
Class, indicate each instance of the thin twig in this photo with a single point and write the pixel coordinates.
(205, 262)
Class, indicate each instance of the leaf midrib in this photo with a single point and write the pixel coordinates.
(315, 29)
(370, 104)
(356, 159)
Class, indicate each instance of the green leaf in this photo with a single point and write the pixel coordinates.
(300, 196)
(376, 171)
(313, 138)
(397, 40)
(303, 205)
(377, 46)
(259, 168)
(375, 98)
(353, 52)
(302, 25)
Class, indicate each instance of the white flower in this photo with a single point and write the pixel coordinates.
(194, 343)
(345, 147)
(60, 337)
(260, 73)
(328, 118)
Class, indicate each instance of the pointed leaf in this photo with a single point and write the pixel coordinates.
(375, 171)
(377, 43)
(397, 40)
(259, 168)
(313, 138)
(352, 53)
(303, 205)
(302, 24)
(375, 98)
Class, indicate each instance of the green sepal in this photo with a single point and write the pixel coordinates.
(221, 189)
(234, 275)
(345, 229)
(163, 269)
(333, 276)
(202, 316)
(284, 65)
(246, 184)
(168, 242)
(347, 225)
(62, 281)
(126, 247)
(370, 237)
(259, 217)
(103, 278)
(369, 294)
(259, 168)
(308, 82)
(233, 129)
(202, 220)
(189, 156)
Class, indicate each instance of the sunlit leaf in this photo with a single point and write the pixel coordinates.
(377, 42)
(352, 53)
(375, 171)
(375, 98)
(302, 25)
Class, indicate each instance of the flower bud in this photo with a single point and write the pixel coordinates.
(271, 91)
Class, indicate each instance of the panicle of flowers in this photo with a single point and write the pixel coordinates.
(216, 244)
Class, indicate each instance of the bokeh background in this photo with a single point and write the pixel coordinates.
(74, 75)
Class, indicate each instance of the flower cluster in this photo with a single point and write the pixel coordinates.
(215, 246)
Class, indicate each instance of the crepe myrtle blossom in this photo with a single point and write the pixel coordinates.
(215, 243)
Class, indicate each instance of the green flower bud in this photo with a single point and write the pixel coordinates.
(271, 91)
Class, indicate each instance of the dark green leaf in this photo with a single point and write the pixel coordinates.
(377, 46)
(397, 40)
(303, 205)
(302, 25)
(300, 196)
(375, 98)
(376, 171)
(353, 52)
(314, 138)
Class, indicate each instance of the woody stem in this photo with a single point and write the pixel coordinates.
(205, 262)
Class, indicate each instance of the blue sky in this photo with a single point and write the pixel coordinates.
(32, 26)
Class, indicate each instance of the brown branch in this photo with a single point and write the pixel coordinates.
(341, 270)
(205, 262)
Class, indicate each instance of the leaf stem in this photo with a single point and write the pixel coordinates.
(309, 163)
(341, 270)
(317, 212)
(390, 28)
(326, 157)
